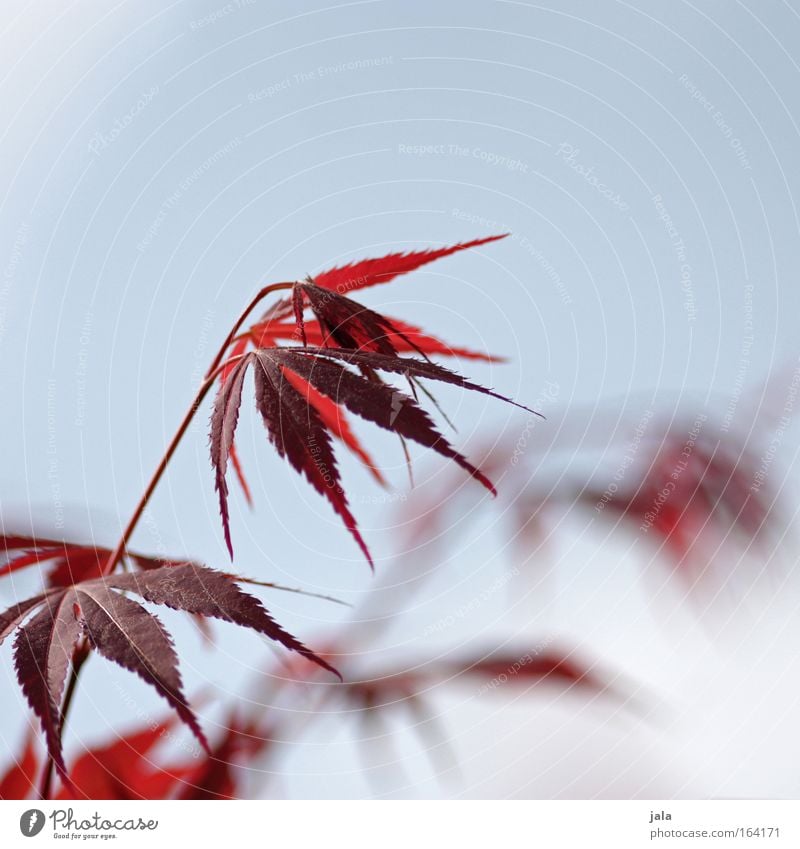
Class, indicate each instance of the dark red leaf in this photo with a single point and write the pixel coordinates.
(223, 427)
(346, 323)
(299, 434)
(411, 339)
(42, 655)
(380, 404)
(303, 436)
(237, 349)
(358, 275)
(334, 418)
(196, 589)
(9, 619)
(407, 366)
(124, 632)
(289, 397)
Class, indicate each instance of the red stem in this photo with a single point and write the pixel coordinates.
(205, 386)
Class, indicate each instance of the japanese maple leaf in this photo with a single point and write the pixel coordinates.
(123, 631)
(369, 272)
(349, 278)
(68, 562)
(302, 435)
(335, 420)
(345, 323)
(405, 337)
(383, 334)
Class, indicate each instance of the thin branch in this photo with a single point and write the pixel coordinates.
(216, 366)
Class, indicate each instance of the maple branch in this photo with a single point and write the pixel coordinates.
(216, 366)
(267, 290)
(117, 553)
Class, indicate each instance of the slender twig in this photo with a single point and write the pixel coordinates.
(267, 290)
(211, 376)
(116, 555)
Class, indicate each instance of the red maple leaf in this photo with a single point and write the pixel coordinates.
(123, 631)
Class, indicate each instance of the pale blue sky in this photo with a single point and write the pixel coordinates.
(161, 161)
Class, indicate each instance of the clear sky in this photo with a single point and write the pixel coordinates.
(161, 161)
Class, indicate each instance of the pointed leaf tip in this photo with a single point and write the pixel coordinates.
(369, 272)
